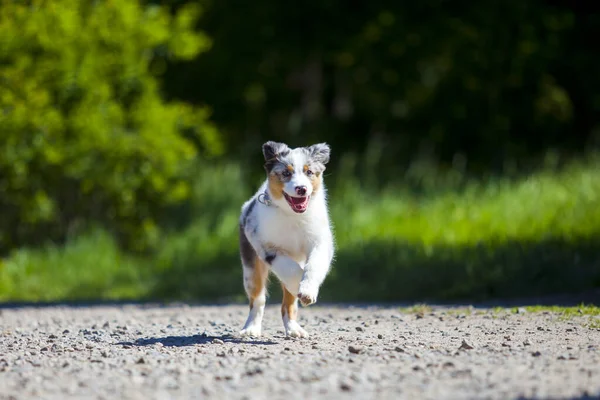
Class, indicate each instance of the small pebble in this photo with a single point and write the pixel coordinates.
(465, 346)
(345, 387)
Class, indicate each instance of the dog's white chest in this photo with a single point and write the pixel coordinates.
(285, 234)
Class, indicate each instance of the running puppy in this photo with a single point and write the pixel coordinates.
(285, 228)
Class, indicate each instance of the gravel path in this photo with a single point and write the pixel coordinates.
(193, 352)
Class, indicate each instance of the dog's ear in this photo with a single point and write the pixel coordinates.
(271, 150)
(320, 152)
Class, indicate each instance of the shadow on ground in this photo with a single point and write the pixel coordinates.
(181, 341)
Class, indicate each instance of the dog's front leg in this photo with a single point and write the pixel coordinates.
(315, 271)
(287, 270)
(289, 273)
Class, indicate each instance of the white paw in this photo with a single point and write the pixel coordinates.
(251, 331)
(307, 294)
(293, 329)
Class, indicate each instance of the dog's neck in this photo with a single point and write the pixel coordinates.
(265, 198)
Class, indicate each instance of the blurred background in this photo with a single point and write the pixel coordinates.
(464, 143)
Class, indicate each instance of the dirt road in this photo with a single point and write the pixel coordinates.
(189, 352)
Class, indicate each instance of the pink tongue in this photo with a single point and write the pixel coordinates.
(298, 200)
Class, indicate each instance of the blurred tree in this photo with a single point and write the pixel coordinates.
(84, 132)
(469, 85)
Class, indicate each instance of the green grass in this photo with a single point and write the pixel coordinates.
(589, 313)
(546, 205)
(89, 267)
(417, 309)
(594, 324)
(587, 316)
(500, 238)
(581, 309)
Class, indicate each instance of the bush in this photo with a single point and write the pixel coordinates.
(86, 135)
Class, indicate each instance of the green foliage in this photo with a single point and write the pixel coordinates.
(86, 135)
(473, 86)
(201, 260)
(88, 267)
(504, 238)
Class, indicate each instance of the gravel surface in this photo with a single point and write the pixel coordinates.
(193, 352)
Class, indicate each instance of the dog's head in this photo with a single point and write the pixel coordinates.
(295, 175)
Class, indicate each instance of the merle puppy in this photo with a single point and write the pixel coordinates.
(285, 229)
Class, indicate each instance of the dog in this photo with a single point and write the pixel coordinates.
(285, 228)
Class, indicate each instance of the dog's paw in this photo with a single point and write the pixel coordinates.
(307, 295)
(306, 299)
(251, 331)
(293, 329)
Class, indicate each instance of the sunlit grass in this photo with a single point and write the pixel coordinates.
(581, 309)
(589, 313)
(88, 267)
(417, 309)
(594, 324)
(545, 205)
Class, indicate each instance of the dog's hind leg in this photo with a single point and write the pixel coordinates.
(255, 273)
(289, 313)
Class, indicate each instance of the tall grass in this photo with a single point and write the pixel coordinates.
(542, 206)
(88, 267)
(496, 238)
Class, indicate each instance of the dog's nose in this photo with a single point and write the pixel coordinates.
(301, 190)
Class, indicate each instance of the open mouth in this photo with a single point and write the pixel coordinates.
(298, 204)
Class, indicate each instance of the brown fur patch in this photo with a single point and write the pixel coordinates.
(315, 178)
(259, 280)
(290, 168)
(275, 186)
(289, 306)
(315, 181)
(246, 250)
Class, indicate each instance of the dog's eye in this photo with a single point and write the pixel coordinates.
(286, 173)
(309, 172)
